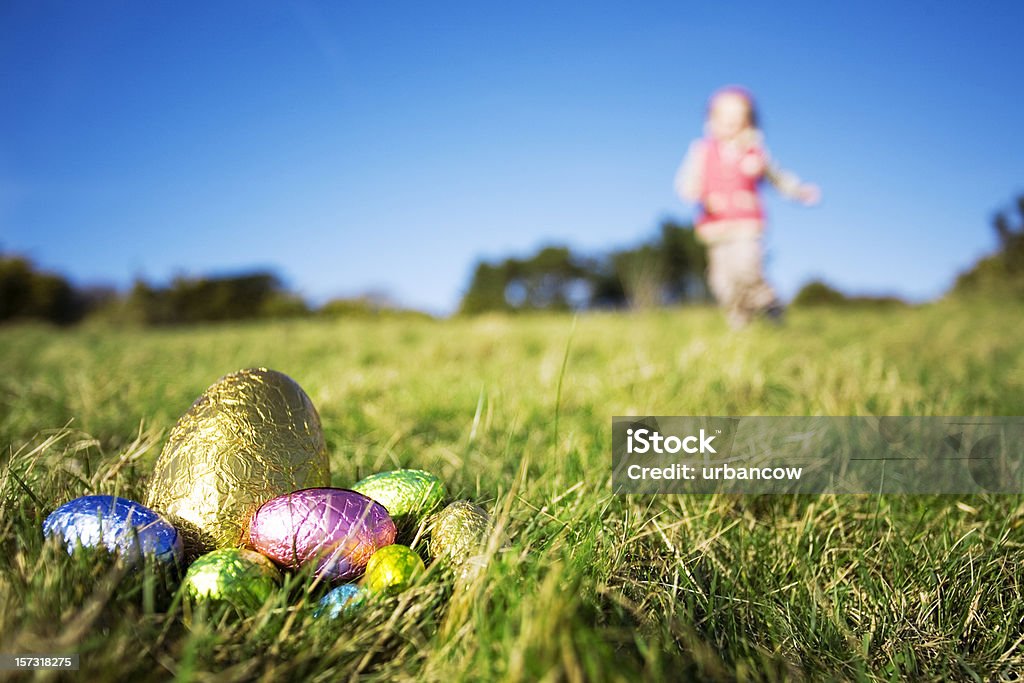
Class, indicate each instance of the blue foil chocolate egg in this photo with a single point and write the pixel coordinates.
(123, 526)
(342, 600)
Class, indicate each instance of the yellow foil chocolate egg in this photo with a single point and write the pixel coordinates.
(251, 436)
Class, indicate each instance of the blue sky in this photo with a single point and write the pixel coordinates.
(355, 146)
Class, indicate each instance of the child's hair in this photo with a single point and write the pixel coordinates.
(752, 117)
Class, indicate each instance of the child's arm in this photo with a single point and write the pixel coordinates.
(790, 185)
(689, 182)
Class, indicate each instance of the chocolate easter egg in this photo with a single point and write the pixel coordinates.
(122, 526)
(458, 534)
(335, 529)
(236, 576)
(342, 600)
(392, 569)
(408, 495)
(249, 437)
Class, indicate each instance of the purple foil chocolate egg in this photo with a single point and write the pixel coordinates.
(336, 529)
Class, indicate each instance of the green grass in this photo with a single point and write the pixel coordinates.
(515, 415)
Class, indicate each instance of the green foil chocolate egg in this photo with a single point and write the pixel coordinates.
(392, 569)
(241, 578)
(408, 495)
(458, 534)
(252, 436)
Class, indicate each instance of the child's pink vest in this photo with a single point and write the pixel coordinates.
(735, 192)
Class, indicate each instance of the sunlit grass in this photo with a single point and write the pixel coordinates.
(590, 586)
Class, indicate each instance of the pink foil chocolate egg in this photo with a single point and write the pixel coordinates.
(336, 529)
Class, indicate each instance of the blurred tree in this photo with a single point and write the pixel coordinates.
(685, 263)
(668, 269)
(28, 293)
(486, 289)
(1002, 273)
(212, 299)
(606, 289)
(551, 279)
(643, 274)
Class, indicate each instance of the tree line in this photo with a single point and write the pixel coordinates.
(670, 269)
(666, 269)
(28, 293)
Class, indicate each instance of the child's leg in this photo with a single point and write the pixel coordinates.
(725, 280)
(720, 278)
(734, 269)
(754, 294)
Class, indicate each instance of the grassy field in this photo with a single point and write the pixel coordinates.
(514, 413)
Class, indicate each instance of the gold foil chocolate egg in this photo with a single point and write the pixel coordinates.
(458, 534)
(251, 436)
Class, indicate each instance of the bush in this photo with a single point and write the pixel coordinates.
(366, 306)
(819, 293)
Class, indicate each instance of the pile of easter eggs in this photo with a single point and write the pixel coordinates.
(243, 489)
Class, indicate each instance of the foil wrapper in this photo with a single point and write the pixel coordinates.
(120, 525)
(251, 436)
(236, 576)
(408, 495)
(458, 534)
(392, 569)
(335, 529)
(342, 600)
